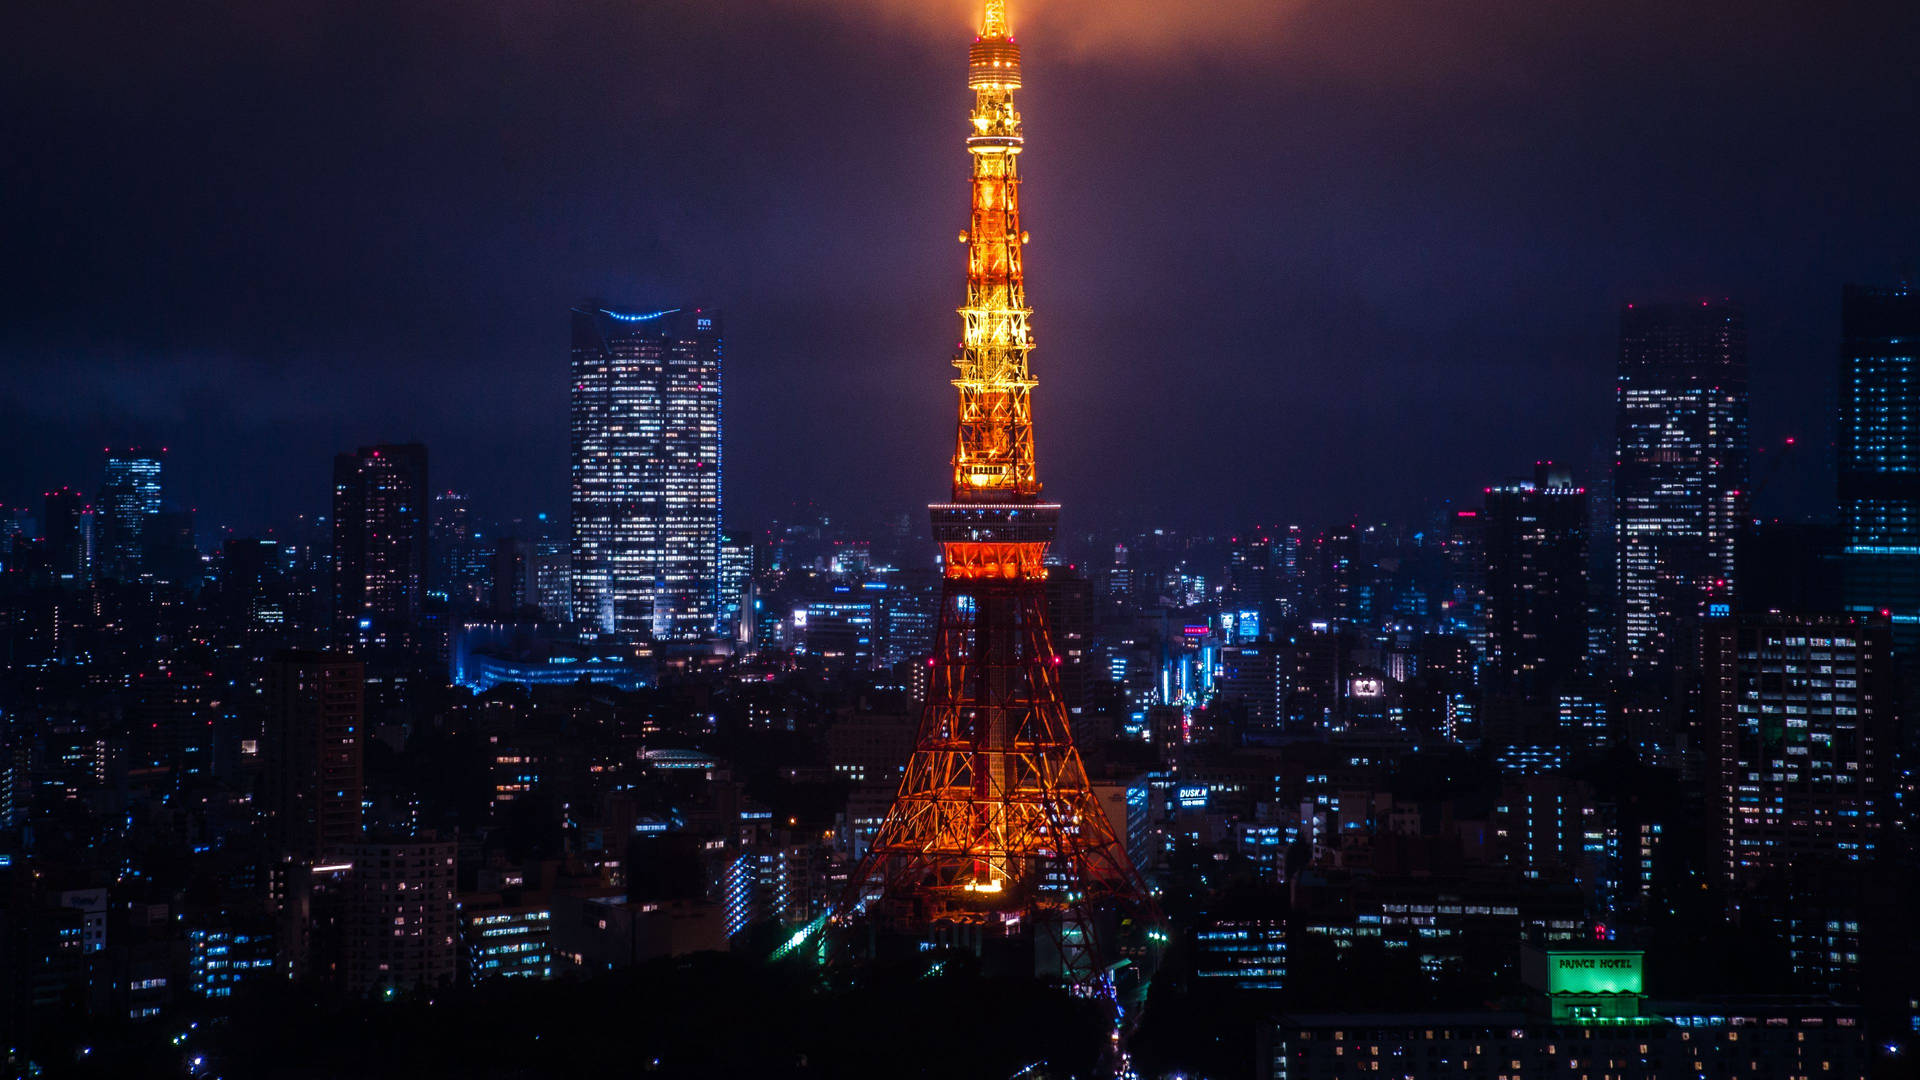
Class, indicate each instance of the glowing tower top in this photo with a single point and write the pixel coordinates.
(993, 453)
(994, 25)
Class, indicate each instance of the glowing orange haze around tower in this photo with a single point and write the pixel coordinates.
(1107, 27)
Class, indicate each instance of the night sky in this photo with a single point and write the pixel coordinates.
(1291, 261)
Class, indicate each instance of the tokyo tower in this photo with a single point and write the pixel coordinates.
(994, 823)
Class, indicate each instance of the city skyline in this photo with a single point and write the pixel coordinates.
(1798, 488)
(1359, 218)
(1400, 693)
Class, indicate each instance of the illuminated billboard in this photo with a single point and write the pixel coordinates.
(1593, 972)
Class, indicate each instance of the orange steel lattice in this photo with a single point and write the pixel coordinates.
(993, 449)
(994, 817)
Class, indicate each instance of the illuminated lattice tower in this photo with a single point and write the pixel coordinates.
(994, 819)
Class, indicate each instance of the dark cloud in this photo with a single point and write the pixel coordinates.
(1299, 259)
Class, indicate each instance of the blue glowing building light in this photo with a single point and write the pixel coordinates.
(627, 316)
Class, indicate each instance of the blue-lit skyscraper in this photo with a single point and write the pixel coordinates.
(1880, 456)
(1680, 475)
(129, 497)
(736, 587)
(646, 471)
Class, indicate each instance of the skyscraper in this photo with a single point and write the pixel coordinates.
(532, 575)
(736, 587)
(646, 471)
(552, 579)
(1680, 475)
(1536, 583)
(1466, 603)
(1799, 731)
(129, 497)
(252, 595)
(70, 537)
(313, 723)
(379, 546)
(461, 564)
(1880, 457)
(169, 550)
(1250, 568)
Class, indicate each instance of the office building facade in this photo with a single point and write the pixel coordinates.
(314, 725)
(129, 497)
(69, 527)
(402, 921)
(1535, 537)
(379, 546)
(1680, 476)
(646, 471)
(1879, 456)
(1799, 731)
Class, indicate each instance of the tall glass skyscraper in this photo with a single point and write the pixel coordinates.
(129, 497)
(736, 587)
(1880, 457)
(1680, 476)
(646, 471)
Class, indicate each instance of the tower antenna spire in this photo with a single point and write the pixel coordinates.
(994, 24)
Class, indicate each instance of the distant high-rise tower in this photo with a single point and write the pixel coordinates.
(69, 526)
(379, 546)
(170, 552)
(736, 587)
(251, 592)
(532, 575)
(129, 497)
(995, 824)
(646, 471)
(1680, 476)
(1251, 558)
(1880, 457)
(461, 565)
(551, 579)
(1536, 594)
(1466, 610)
(1536, 583)
(314, 726)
